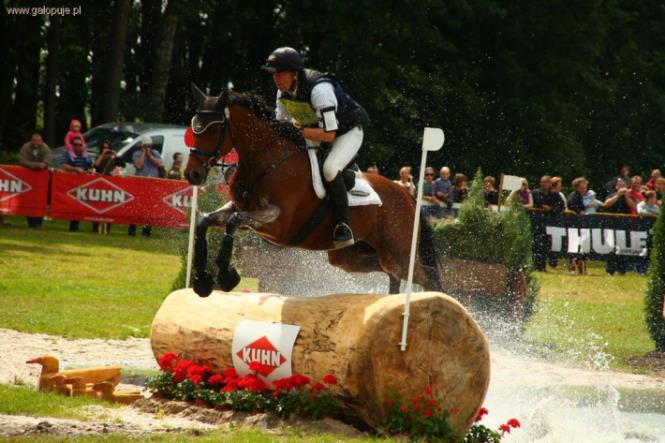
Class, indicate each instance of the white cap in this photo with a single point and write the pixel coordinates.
(146, 140)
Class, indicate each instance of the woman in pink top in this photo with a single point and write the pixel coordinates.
(524, 194)
(74, 132)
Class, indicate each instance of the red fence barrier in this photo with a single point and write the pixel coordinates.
(127, 200)
(23, 191)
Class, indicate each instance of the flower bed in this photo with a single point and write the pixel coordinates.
(421, 418)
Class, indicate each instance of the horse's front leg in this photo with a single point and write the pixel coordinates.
(202, 281)
(227, 276)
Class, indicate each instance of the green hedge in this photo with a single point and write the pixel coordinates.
(482, 236)
(656, 285)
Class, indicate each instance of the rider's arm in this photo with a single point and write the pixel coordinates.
(281, 114)
(324, 103)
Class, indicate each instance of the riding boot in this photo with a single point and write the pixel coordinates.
(342, 234)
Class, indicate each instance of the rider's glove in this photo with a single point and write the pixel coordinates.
(287, 130)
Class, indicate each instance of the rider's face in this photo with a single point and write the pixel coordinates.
(284, 80)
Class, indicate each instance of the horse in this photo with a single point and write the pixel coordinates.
(273, 195)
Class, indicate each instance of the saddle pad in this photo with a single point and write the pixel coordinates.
(362, 185)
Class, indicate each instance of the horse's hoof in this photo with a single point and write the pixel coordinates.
(229, 279)
(203, 285)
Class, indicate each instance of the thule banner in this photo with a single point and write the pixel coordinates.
(23, 191)
(127, 200)
(596, 236)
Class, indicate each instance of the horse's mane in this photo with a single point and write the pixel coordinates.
(254, 103)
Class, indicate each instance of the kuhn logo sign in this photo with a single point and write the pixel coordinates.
(11, 185)
(268, 345)
(100, 195)
(180, 200)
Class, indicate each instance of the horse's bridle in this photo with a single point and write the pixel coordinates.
(210, 160)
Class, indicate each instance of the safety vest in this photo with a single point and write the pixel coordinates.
(299, 105)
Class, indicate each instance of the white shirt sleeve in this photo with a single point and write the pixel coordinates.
(281, 114)
(323, 97)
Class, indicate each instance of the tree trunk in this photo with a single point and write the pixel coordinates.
(115, 61)
(355, 337)
(53, 42)
(161, 65)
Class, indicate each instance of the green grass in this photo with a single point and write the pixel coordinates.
(242, 435)
(23, 400)
(578, 316)
(84, 285)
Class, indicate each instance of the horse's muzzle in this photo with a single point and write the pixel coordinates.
(195, 177)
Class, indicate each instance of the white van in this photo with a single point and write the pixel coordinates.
(167, 141)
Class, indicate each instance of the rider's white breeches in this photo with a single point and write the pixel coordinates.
(344, 148)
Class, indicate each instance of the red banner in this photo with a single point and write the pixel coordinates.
(23, 191)
(127, 200)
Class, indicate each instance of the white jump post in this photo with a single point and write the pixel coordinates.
(433, 139)
(192, 225)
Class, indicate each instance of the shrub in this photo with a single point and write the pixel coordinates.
(656, 285)
(479, 235)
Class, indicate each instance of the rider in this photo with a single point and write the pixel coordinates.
(321, 112)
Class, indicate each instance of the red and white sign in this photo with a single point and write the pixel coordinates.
(268, 344)
(23, 191)
(127, 200)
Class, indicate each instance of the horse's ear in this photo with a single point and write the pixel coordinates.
(199, 96)
(222, 100)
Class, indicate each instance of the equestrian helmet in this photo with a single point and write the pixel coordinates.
(283, 59)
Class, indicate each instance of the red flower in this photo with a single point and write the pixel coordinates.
(432, 402)
(216, 379)
(416, 399)
(483, 412)
(196, 379)
(167, 360)
(285, 384)
(428, 390)
(231, 387)
(318, 386)
(255, 366)
(427, 413)
(276, 393)
(390, 401)
(330, 379)
(404, 408)
(257, 385)
(505, 429)
(230, 373)
(513, 423)
(416, 408)
(300, 380)
(180, 370)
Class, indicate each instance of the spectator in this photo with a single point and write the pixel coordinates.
(430, 205)
(523, 194)
(147, 162)
(406, 180)
(76, 161)
(106, 162)
(624, 174)
(491, 193)
(556, 187)
(635, 191)
(659, 187)
(175, 173)
(545, 198)
(618, 203)
(74, 132)
(373, 169)
(35, 154)
(576, 198)
(460, 188)
(649, 206)
(441, 189)
(655, 175)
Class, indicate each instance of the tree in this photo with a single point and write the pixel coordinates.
(115, 61)
(52, 73)
(655, 295)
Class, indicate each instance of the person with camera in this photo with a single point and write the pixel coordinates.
(147, 162)
(619, 202)
(106, 161)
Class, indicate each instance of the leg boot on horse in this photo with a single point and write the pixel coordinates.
(342, 234)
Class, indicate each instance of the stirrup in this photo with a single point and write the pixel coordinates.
(344, 241)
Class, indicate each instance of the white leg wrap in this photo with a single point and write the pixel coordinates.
(344, 148)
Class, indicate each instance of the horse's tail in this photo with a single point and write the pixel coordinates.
(429, 258)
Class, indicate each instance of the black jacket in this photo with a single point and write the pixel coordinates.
(552, 199)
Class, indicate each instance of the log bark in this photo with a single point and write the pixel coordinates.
(355, 337)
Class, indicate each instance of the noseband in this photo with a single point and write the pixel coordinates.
(207, 159)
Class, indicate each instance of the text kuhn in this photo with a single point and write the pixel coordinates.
(10, 186)
(602, 241)
(266, 357)
(100, 195)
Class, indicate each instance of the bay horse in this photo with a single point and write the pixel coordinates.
(272, 194)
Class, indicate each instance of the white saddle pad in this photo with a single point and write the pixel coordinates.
(361, 186)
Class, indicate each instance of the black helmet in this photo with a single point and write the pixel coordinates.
(283, 59)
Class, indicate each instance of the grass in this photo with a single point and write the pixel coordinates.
(242, 435)
(84, 285)
(23, 400)
(588, 318)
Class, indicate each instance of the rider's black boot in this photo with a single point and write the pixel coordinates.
(342, 234)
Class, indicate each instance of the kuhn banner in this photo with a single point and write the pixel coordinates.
(23, 191)
(267, 347)
(127, 200)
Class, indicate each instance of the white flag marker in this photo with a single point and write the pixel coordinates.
(192, 225)
(433, 139)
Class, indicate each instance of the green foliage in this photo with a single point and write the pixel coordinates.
(656, 285)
